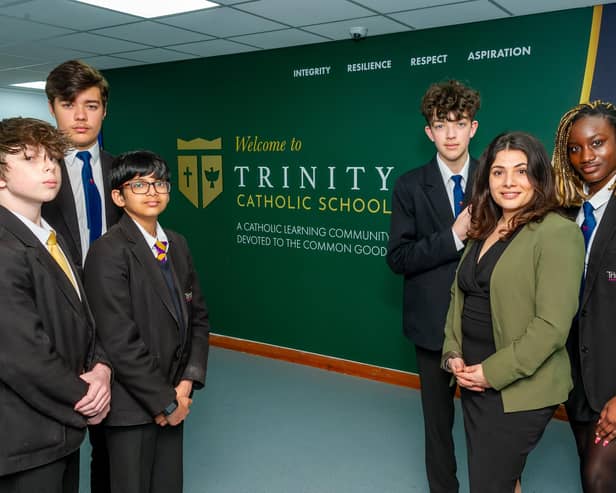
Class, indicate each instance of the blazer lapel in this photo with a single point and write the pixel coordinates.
(145, 257)
(66, 204)
(436, 192)
(27, 237)
(468, 191)
(111, 211)
(602, 239)
(178, 287)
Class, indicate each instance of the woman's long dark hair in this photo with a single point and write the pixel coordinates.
(485, 212)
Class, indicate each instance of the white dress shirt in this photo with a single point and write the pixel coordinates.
(446, 175)
(73, 168)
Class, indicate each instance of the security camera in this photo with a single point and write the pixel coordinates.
(358, 33)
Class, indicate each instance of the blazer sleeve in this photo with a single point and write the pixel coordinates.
(107, 284)
(29, 363)
(558, 268)
(410, 252)
(196, 366)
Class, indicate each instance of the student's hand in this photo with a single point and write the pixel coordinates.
(161, 420)
(456, 365)
(180, 413)
(605, 431)
(472, 378)
(462, 224)
(98, 396)
(100, 416)
(184, 388)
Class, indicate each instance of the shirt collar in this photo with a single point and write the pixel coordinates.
(446, 173)
(40, 231)
(600, 198)
(71, 156)
(151, 240)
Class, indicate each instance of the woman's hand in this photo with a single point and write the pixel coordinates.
(472, 378)
(605, 431)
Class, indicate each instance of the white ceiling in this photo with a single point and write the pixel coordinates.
(37, 35)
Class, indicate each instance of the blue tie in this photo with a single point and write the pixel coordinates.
(93, 198)
(458, 195)
(589, 224)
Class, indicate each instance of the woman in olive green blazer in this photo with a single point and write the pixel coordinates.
(513, 299)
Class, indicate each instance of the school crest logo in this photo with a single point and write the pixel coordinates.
(205, 180)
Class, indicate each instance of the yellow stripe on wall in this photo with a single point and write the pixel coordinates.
(591, 59)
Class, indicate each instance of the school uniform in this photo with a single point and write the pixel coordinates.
(423, 248)
(154, 327)
(67, 214)
(47, 339)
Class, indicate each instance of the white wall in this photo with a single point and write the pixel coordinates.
(24, 103)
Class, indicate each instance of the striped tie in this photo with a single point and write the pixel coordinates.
(58, 256)
(161, 251)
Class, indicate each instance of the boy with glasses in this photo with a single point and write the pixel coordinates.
(153, 324)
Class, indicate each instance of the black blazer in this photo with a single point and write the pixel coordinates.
(60, 213)
(149, 348)
(421, 247)
(46, 341)
(593, 337)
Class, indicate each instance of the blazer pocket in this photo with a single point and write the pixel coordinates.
(25, 431)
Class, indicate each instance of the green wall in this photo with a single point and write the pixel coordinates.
(343, 304)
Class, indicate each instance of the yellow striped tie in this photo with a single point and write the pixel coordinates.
(58, 256)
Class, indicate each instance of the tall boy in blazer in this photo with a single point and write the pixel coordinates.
(428, 228)
(77, 95)
(53, 378)
(153, 324)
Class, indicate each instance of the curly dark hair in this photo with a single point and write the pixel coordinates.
(485, 212)
(452, 96)
(16, 134)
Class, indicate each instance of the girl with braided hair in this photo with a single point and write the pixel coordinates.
(585, 167)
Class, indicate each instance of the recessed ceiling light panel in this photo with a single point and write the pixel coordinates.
(38, 84)
(150, 8)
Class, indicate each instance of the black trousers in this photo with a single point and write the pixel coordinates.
(437, 402)
(60, 476)
(99, 465)
(145, 458)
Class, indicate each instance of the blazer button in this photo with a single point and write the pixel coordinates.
(584, 349)
(178, 352)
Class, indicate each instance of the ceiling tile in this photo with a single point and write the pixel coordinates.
(157, 55)
(340, 30)
(385, 6)
(152, 33)
(523, 7)
(278, 39)
(44, 52)
(448, 15)
(96, 44)
(105, 62)
(16, 30)
(222, 22)
(306, 13)
(214, 48)
(21, 75)
(72, 15)
(12, 61)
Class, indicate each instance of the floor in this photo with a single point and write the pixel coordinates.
(267, 426)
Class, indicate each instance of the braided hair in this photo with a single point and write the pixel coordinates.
(569, 186)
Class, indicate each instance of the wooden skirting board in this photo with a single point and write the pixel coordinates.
(348, 367)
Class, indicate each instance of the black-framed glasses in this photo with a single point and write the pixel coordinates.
(141, 187)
